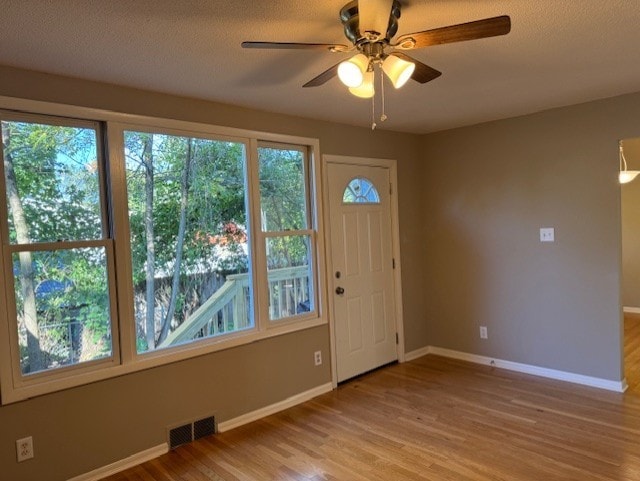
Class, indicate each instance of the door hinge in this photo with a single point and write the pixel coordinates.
(393, 263)
(390, 188)
(397, 339)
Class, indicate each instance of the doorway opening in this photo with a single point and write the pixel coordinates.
(630, 216)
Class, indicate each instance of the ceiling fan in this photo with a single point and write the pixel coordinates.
(370, 26)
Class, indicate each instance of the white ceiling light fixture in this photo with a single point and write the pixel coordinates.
(351, 72)
(625, 176)
(358, 73)
(366, 90)
(399, 71)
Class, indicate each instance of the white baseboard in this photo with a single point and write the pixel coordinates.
(631, 310)
(274, 408)
(126, 463)
(410, 356)
(617, 386)
(161, 449)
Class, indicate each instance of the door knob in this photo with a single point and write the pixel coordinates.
(339, 290)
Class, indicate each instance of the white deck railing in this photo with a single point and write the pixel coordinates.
(229, 308)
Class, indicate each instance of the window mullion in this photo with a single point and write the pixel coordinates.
(121, 235)
(8, 358)
(260, 262)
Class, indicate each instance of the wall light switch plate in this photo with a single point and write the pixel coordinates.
(547, 234)
(484, 334)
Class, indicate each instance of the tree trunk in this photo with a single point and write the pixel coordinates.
(147, 158)
(184, 200)
(27, 281)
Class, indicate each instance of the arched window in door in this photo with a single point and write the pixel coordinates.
(360, 191)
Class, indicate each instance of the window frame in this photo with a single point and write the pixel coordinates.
(10, 354)
(310, 232)
(123, 238)
(125, 358)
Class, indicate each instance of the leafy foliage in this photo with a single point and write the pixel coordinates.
(284, 206)
(282, 189)
(56, 173)
(214, 242)
(58, 193)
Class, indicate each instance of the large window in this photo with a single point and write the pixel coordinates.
(189, 239)
(55, 244)
(181, 241)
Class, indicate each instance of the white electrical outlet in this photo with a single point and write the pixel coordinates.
(317, 358)
(24, 449)
(547, 234)
(483, 332)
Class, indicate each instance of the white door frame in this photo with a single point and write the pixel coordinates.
(395, 240)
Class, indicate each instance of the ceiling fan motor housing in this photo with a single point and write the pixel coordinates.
(351, 22)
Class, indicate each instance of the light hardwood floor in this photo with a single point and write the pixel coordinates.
(632, 351)
(430, 419)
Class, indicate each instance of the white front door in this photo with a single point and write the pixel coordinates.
(362, 283)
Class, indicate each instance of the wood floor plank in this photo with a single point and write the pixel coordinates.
(632, 350)
(431, 419)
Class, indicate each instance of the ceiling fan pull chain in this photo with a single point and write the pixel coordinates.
(383, 117)
(373, 112)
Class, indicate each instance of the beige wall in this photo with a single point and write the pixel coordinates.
(81, 429)
(489, 188)
(631, 228)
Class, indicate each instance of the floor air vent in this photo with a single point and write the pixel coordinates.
(189, 432)
(180, 435)
(204, 427)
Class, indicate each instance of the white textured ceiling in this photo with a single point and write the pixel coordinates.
(558, 53)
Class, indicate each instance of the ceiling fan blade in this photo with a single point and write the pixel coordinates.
(324, 77)
(488, 27)
(373, 16)
(423, 73)
(296, 46)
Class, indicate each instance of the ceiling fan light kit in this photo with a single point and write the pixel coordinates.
(370, 25)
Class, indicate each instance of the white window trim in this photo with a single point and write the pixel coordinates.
(126, 360)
